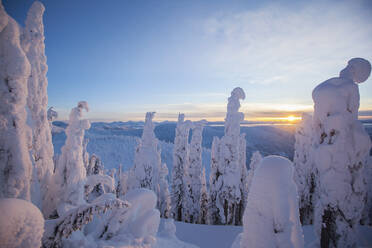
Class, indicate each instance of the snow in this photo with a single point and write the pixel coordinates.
(271, 217)
(21, 224)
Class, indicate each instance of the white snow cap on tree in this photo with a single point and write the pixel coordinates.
(341, 149)
(15, 163)
(271, 217)
(304, 168)
(70, 166)
(21, 224)
(180, 161)
(230, 183)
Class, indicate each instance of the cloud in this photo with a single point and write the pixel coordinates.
(287, 45)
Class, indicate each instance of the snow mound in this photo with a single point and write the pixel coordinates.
(21, 224)
(271, 217)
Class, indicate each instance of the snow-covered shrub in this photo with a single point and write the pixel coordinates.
(341, 148)
(15, 134)
(21, 224)
(37, 101)
(271, 217)
(304, 168)
(76, 219)
(193, 176)
(228, 181)
(180, 161)
(71, 171)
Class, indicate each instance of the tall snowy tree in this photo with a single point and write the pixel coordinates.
(204, 200)
(271, 218)
(304, 169)
(95, 167)
(37, 101)
(164, 195)
(341, 149)
(15, 162)
(180, 160)
(147, 171)
(228, 186)
(70, 168)
(255, 161)
(193, 176)
(214, 183)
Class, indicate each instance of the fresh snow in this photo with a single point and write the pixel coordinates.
(21, 224)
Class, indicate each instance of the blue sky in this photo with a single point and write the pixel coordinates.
(129, 57)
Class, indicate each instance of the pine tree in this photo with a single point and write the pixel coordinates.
(340, 152)
(304, 169)
(193, 176)
(37, 101)
(70, 168)
(180, 160)
(15, 163)
(228, 186)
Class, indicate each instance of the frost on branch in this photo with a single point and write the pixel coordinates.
(228, 184)
(180, 161)
(304, 174)
(271, 217)
(15, 162)
(70, 169)
(21, 224)
(340, 151)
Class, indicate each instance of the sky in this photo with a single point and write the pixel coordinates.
(129, 57)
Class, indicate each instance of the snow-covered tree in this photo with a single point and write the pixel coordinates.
(341, 149)
(229, 184)
(15, 162)
(367, 212)
(180, 160)
(164, 200)
(255, 161)
(37, 101)
(70, 168)
(121, 182)
(271, 217)
(204, 200)
(214, 183)
(193, 176)
(95, 167)
(304, 168)
(51, 114)
(148, 171)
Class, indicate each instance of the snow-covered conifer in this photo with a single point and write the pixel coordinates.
(229, 185)
(304, 169)
(95, 167)
(271, 217)
(37, 101)
(180, 160)
(214, 183)
(341, 148)
(204, 200)
(15, 162)
(164, 200)
(367, 212)
(70, 167)
(147, 170)
(51, 114)
(193, 176)
(255, 161)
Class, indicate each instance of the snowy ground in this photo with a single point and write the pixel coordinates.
(206, 236)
